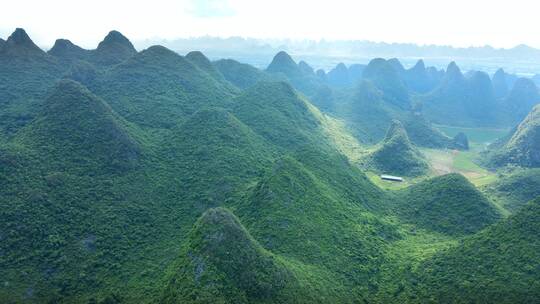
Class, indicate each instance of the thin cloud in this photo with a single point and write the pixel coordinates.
(210, 8)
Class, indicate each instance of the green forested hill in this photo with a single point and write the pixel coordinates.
(158, 88)
(523, 96)
(240, 74)
(521, 147)
(26, 75)
(114, 49)
(514, 190)
(498, 265)
(460, 100)
(447, 204)
(396, 154)
(386, 78)
(304, 80)
(75, 127)
(220, 262)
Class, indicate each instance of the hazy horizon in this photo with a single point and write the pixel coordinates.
(458, 24)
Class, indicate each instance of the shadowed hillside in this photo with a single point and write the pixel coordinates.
(498, 265)
(220, 262)
(76, 126)
(523, 147)
(396, 155)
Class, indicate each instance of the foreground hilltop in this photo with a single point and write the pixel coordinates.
(221, 262)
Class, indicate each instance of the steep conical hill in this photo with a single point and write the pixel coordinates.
(447, 204)
(19, 45)
(322, 75)
(482, 98)
(339, 76)
(65, 50)
(396, 64)
(305, 67)
(453, 78)
(77, 126)
(369, 117)
(355, 71)
(158, 88)
(214, 153)
(396, 154)
(240, 74)
(313, 207)
(500, 86)
(366, 112)
(421, 79)
(523, 147)
(461, 141)
(385, 77)
(422, 133)
(283, 63)
(497, 265)
(417, 77)
(26, 75)
(303, 80)
(275, 111)
(460, 100)
(114, 49)
(203, 63)
(520, 100)
(222, 263)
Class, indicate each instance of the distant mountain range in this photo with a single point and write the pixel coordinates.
(520, 59)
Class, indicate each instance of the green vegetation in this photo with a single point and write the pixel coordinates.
(114, 49)
(222, 263)
(158, 88)
(240, 74)
(462, 101)
(144, 177)
(520, 100)
(386, 78)
(498, 265)
(304, 80)
(523, 147)
(447, 204)
(77, 126)
(396, 155)
(477, 135)
(514, 190)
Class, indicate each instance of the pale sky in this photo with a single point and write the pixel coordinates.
(457, 22)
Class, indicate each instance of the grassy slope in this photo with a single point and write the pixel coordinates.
(396, 155)
(447, 204)
(220, 262)
(522, 148)
(514, 190)
(499, 264)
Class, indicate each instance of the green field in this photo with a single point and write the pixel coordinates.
(453, 161)
(481, 136)
(444, 161)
